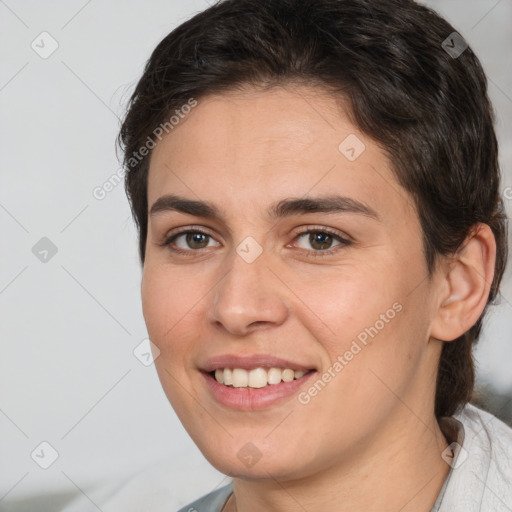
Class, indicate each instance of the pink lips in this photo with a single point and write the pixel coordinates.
(252, 399)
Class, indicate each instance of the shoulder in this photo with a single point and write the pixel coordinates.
(211, 502)
(487, 431)
(481, 476)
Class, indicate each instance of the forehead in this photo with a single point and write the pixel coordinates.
(281, 122)
(255, 146)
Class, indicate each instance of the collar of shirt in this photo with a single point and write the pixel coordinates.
(480, 456)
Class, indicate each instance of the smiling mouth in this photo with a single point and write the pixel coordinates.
(256, 378)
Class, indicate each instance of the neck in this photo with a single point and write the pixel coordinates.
(406, 475)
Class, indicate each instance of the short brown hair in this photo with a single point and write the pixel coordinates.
(427, 108)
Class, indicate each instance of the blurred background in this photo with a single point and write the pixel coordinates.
(81, 411)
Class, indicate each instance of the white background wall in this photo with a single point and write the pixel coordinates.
(68, 327)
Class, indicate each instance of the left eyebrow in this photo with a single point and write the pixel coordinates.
(281, 209)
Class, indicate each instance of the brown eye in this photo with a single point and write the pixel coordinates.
(321, 240)
(189, 241)
(196, 240)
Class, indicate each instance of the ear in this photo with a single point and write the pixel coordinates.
(464, 285)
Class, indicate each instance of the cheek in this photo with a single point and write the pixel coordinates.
(155, 303)
(342, 302)
(164, 303)
(365, 317)
(173, 303)
(166, 306)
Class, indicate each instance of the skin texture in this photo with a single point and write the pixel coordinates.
(369, 440)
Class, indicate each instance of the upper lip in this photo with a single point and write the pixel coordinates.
(250, 362)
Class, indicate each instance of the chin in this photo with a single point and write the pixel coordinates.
(251, 463)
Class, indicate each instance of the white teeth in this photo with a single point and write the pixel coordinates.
(240, 378)
(257, 377)
(274, 376)
(228, 377)
(288, 375)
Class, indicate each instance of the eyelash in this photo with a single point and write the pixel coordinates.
(312, 254)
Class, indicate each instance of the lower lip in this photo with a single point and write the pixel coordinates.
(254, 399)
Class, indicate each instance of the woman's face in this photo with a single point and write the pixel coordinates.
(339, 289)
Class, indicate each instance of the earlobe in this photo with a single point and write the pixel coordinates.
(465, 286)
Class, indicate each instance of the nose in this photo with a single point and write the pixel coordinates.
(248, 297)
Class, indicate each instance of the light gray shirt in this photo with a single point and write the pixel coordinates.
(480, 477)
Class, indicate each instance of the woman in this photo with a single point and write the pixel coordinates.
(317, 194)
